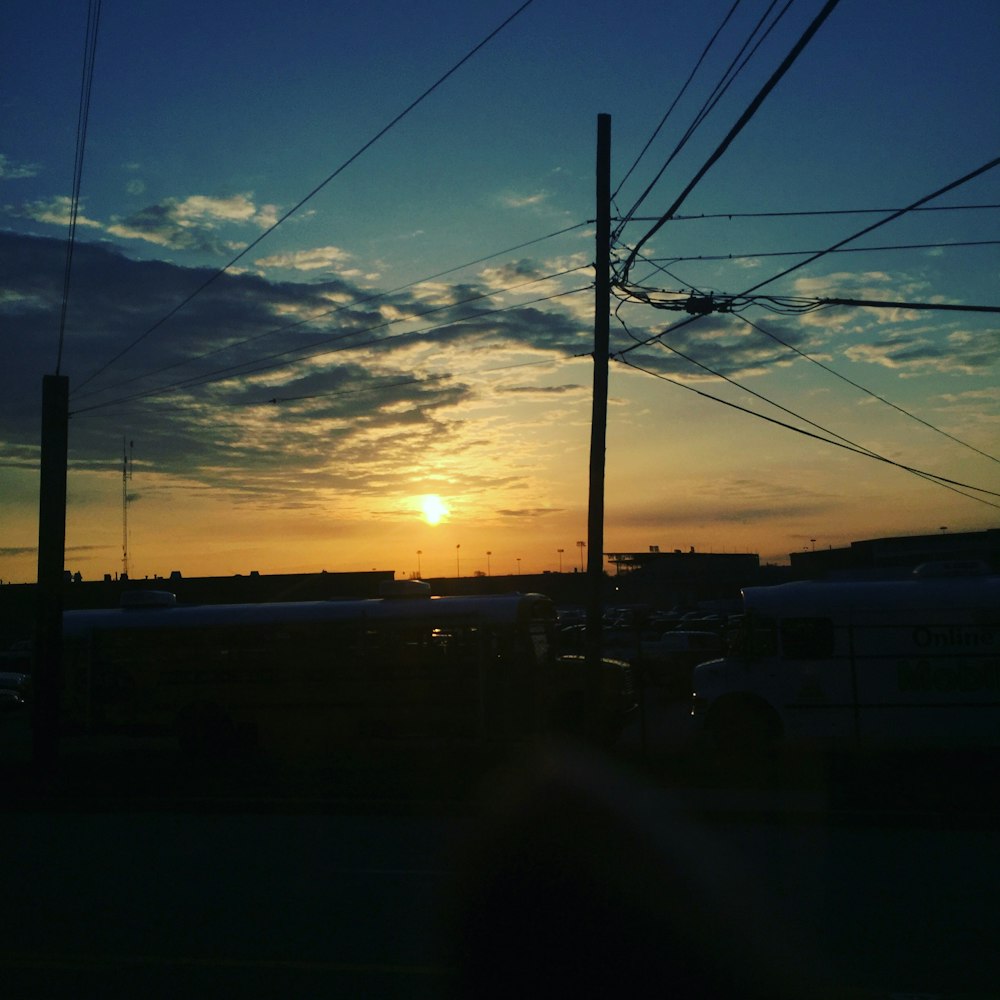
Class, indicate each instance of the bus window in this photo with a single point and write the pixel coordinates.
(806, 638)
(755, 636)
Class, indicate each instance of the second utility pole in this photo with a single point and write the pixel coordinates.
(599, 417)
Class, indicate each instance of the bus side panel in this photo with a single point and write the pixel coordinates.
(812, 682)
(930, 679)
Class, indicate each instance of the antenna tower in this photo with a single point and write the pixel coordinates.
(126, 479)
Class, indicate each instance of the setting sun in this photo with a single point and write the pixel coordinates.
(434, 508)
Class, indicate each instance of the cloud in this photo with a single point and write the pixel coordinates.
(317, 259)
(513, 200)
(192, 223)
(961, 353)
(10, 171)
(544, 390)
(717, 344)
(358, 404)
(55, 211)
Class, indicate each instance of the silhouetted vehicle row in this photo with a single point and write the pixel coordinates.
(327, 674)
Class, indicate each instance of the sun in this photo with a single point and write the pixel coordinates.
(434, 508)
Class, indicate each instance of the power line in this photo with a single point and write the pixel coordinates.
(808, 212)
(319, 187)
(789, 305)
(832, 371)
(728, 77)
(741, 123)
(869, 392)
(680, 94)
(801, 253)
(875, 225)
(951, 484)
(883, 304)
(836, 246)
(744, 388)
(798, 416)
(83, 119)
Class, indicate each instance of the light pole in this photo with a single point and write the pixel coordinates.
(560, 551)
(488, 554)
(458, 565)
(419, 554)
(581, 546)
(518, 565)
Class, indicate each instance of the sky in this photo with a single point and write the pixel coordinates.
(325, 269)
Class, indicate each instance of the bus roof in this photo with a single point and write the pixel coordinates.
(813, 597)
(433, 611)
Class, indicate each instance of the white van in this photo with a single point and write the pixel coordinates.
(907, 664)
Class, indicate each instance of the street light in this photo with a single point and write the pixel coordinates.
(458, 565)
(560, 551)
(581, 546)
(420, 552)
(488, 554)
(518, 565)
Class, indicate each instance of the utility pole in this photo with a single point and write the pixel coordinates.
(51, 567)
(599, 417)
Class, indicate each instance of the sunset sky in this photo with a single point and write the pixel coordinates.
(420, 322)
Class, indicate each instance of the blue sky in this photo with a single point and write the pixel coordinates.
(209, 122)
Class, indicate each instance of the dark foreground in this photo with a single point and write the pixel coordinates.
(558, 871)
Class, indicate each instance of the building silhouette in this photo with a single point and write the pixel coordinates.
(898, 556)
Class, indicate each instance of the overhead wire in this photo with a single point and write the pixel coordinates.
(741, 123)
(867, 391)
(677, 98)
(744, 388)
(952, 484)
(972, 175)
(83, 119)
(319, 187)
(728, 77)
(658, 338)
(811, 212)
(989, 165)
(656, 261)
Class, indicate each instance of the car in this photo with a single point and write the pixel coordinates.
(669, 661)
(13, 690)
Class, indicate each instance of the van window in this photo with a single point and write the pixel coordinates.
(807, 638)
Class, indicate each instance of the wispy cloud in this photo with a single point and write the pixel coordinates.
(55, 211)
(515, 200)
(12, 171)
(317, 259)
(192, 223)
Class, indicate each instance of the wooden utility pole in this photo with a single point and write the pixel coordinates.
(51, 567)
(599, 417)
